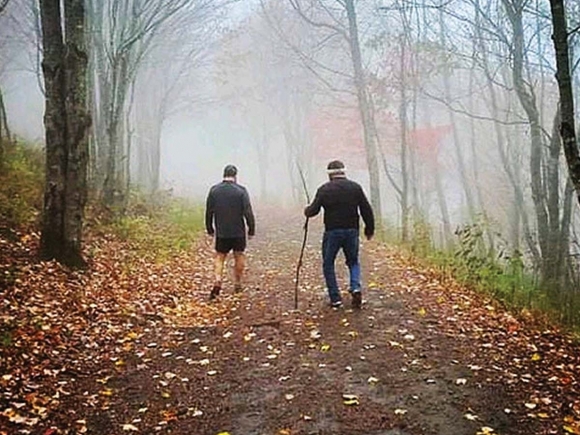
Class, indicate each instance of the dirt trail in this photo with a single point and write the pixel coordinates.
(418, 358)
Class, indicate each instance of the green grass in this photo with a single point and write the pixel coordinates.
(501, 273)
(160, 228)
(21, 184)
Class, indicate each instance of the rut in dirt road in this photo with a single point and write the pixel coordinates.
(422, 356)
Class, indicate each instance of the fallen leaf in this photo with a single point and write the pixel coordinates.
(350, 399)
(571, 429)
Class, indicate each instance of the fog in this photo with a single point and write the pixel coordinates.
(433, 106)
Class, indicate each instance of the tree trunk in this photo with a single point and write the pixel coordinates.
(4, 130)
(527, 100)
(113, 185)
(553, 267)
(447, 234)
(456, 141)
(512, 170)
(66, 123)
(475, 160)
(567, 126)
(155, 159)
(404, 147)
(364, 108)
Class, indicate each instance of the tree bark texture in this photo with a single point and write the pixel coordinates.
(567, 126)
(67, 122)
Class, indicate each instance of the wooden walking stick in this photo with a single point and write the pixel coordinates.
(303, 240)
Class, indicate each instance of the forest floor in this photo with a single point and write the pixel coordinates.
(133, 345)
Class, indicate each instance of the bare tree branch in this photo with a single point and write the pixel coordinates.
(3, 4)
(305, 59)
(296, 6)
(463, 111)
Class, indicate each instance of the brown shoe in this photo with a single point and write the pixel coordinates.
(357, 299)
(215, 292)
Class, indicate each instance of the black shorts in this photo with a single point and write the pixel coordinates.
(225, 245)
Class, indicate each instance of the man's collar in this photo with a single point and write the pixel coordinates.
(229, 180)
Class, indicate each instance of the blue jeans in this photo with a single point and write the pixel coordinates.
(332, 242)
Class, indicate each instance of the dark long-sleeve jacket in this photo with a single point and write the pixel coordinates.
(227, 205)
(342, 199)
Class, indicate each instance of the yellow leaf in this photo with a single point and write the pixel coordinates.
(165, 395)
(350, 399)
(130, 427)
(571, 429)
(373, 284)
(284, 432)
(325, 348)
(108, 392)
(223, 433)
(422, 311)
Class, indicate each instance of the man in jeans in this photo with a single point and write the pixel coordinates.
(228, 204)
(342, 200)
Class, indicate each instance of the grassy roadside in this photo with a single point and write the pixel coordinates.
(160, 228)
(501, 273)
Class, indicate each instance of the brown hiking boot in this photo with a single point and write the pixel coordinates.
(215, 292)
(357, 299)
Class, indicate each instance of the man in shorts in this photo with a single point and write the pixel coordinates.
(228, 205)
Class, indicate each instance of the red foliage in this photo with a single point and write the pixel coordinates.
(338, 134)
(427, 142)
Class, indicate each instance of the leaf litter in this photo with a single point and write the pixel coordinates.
(80, 349)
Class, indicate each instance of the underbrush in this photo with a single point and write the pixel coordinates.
(498, 271)
(159, 227)
(21, 184)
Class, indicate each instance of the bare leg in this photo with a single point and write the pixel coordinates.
(219, 268)
(239, 266)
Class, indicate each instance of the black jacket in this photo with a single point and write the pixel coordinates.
(342, 199)
(228, 204)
